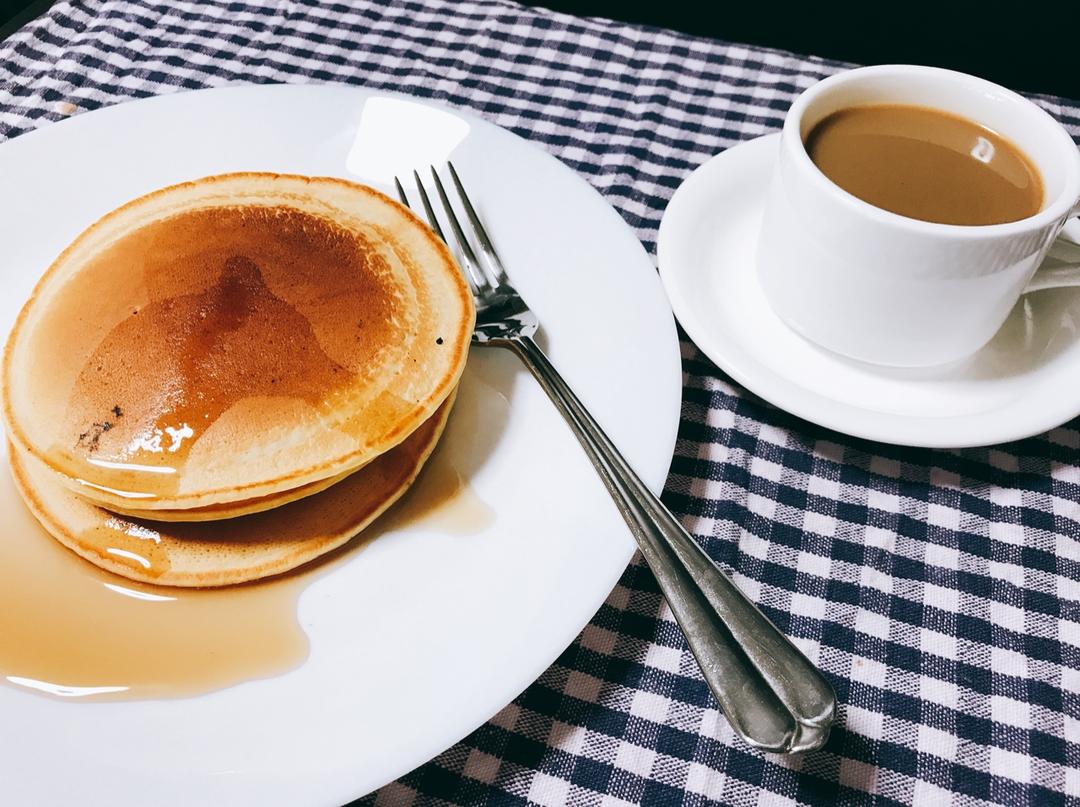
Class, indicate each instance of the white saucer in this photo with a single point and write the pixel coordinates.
(1026, 381)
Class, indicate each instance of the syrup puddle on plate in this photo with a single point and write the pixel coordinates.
(73, 631)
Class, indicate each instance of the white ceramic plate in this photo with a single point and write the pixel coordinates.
(1022, 383)
(420, 637)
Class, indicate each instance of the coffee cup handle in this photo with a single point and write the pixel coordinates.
(1061, 266)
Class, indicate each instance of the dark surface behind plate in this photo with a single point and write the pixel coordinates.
(1025, 51)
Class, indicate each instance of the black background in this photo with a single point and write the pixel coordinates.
(1029, 46)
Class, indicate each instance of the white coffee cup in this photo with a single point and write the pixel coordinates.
(887, 289)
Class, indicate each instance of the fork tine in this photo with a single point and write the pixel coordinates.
(476, 278)
(401, 193)
(481, 277)
(481, 234)
(433, 221)
(428, 210)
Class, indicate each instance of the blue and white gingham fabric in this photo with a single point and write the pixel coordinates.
(938, 590)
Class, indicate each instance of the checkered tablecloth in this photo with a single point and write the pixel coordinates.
(938, 590)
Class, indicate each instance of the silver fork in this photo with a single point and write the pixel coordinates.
(769, 691)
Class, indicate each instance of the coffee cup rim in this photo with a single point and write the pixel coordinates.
(1067, 200)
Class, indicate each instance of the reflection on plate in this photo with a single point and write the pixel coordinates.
(1020, 384)
(426, 632)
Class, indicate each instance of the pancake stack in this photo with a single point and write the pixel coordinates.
(225, 379)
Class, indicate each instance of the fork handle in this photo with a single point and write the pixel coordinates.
(769, 691)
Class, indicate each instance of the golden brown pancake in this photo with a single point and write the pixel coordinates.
(230, 338)
(224, 510)
(238, 550)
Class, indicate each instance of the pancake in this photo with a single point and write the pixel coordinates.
(224, 510)
(223, 553)
(234, 337)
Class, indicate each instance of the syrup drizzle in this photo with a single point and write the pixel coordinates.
(73, 631)
(269, 307)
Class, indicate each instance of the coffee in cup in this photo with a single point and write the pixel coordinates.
(926, 164)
